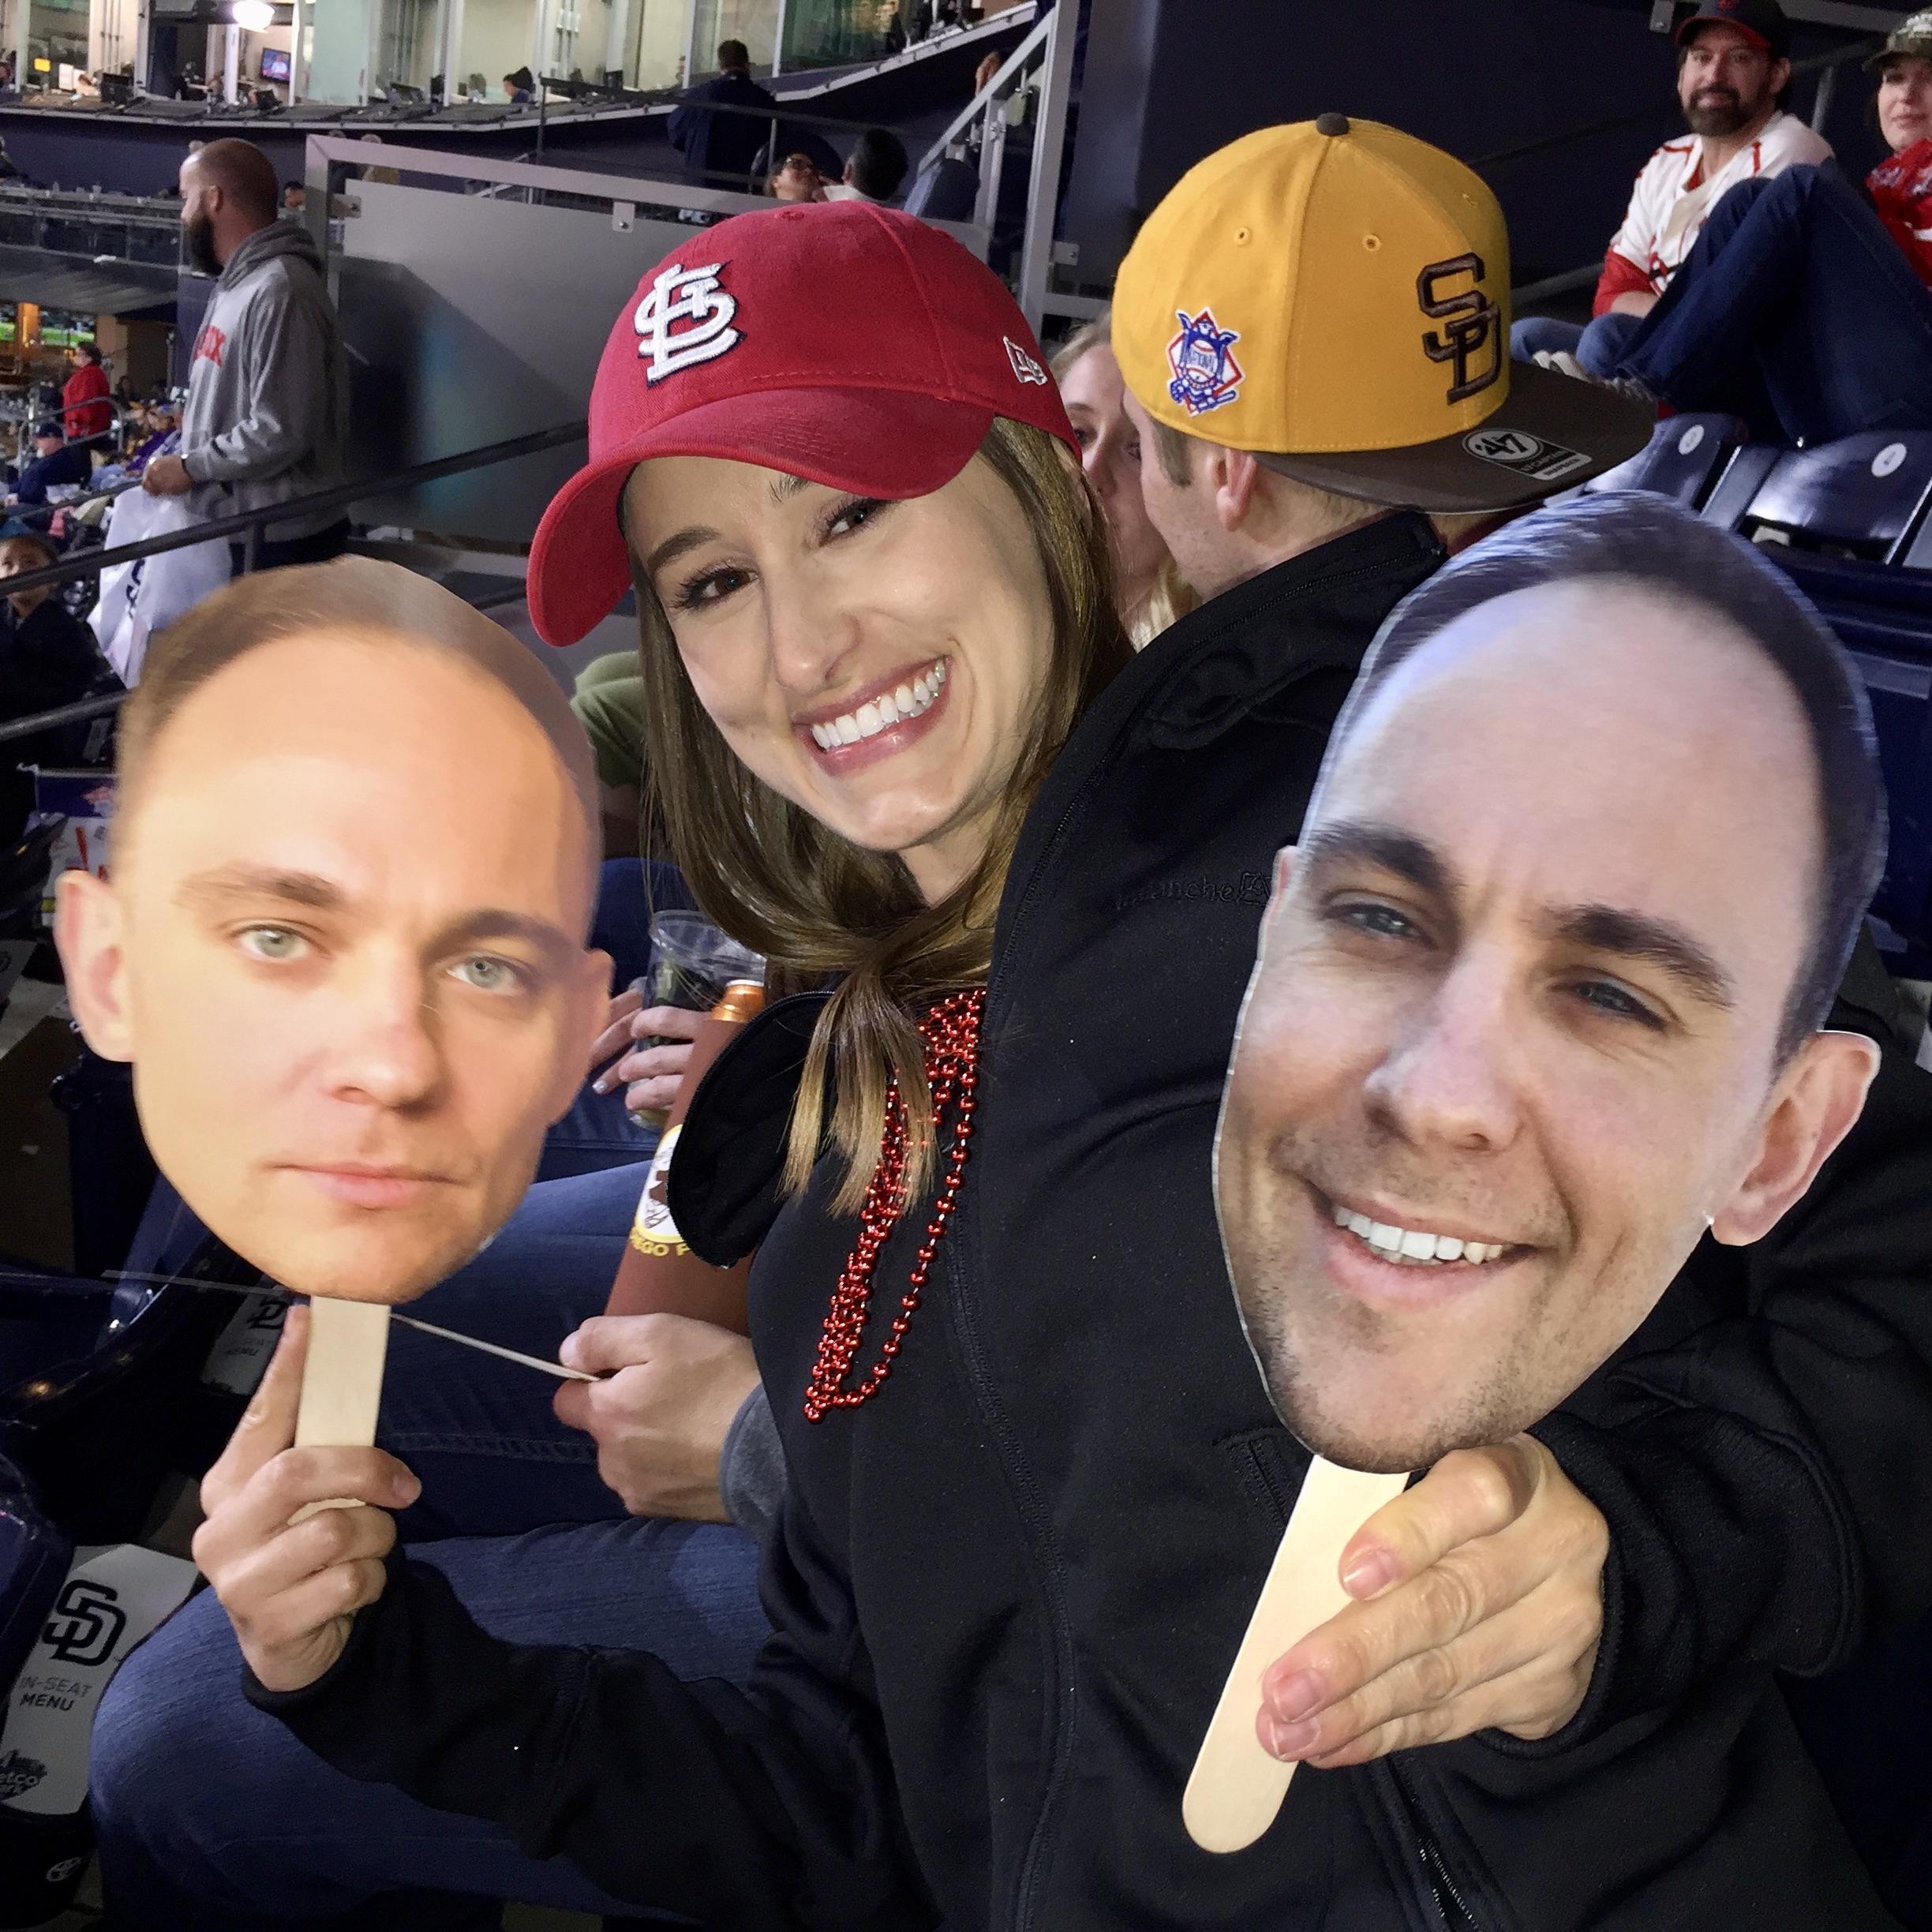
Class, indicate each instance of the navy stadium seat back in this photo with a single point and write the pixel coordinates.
(1683, 459)
(1862, 496)
(1730, 496)
(100, 1424)
(34, 1559)
(1884, 618)
(948, 191)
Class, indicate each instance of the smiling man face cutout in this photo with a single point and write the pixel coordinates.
(1538, 993)
(344, 942)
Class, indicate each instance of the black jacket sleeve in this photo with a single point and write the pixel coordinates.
(771, 1809)
(1763, 1478)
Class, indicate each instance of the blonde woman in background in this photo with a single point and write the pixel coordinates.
(1149, 590)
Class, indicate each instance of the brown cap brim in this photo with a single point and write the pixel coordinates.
(1553, 432)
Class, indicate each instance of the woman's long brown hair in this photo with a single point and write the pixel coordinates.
(826, 910)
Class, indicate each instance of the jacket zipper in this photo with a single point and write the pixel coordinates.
(1451, 1905)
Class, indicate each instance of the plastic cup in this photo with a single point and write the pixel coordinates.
(692, 963)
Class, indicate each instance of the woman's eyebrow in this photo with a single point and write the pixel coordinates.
(673, 547)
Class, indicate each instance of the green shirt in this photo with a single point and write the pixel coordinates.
(609, 703)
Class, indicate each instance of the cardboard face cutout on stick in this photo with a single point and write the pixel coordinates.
(1517, 1036)
(343, 942)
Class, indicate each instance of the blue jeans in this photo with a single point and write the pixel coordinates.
(1598, 345)
(1795, 310)
(213, 1818)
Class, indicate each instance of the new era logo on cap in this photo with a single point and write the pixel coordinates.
(1024, 366)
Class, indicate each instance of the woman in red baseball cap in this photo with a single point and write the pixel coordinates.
(874, 595)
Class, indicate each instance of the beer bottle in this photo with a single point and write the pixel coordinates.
(659, 1274)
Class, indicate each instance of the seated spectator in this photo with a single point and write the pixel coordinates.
(1733, 77)
(1148, 590)
(521, 86)
(57, 464)
(795, 179)
(609, 703)
(720, 145)
(47, 659)
(806, 143)
(877, 167)
(85, 407)
(1901, 188)
(1800, 309)
(294, 197)
(155, 428)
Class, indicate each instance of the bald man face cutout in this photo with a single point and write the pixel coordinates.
(1513, 1034)
(344, 949)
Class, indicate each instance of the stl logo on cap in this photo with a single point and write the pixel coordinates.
(1205, 374)
(696, 298)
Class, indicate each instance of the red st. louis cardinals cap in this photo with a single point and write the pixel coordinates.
(839, 341)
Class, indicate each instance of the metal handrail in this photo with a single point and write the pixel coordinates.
(1034, 37)
(66, 714)
(338, 497)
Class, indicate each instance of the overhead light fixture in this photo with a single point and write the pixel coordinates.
(255, 15)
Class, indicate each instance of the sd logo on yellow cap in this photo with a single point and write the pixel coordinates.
(1334, 296)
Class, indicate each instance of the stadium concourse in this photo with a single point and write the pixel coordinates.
(924, 925)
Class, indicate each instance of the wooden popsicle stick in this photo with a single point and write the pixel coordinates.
(1235, 1788)
(342, 1382)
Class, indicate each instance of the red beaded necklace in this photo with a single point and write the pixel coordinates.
(950, 1034)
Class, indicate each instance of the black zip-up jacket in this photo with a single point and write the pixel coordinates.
(1007, 1590)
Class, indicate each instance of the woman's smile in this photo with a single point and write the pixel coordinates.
(893, 714)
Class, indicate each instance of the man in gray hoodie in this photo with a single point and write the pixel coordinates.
(266, 408)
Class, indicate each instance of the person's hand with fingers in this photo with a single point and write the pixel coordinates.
(616, 1040)
(654, 1074)
(166, 476)
(1479, 1606)
(291, 1590)
(671, 1389)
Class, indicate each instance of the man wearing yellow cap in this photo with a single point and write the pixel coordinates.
(1314, 325)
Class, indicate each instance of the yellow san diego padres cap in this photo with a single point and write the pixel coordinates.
(1334, 296)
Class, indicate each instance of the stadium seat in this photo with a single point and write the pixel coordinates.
(1683, 459)
(947, 191)
(1732, 496)
(1884, 618)
(1862, 496)
(100, 1428)
(34, 1556)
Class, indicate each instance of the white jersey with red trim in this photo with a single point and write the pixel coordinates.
(1675, 191)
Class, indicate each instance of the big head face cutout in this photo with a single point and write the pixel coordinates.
(1537, 993)
(343, 945)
